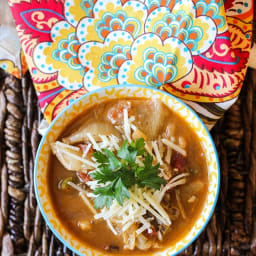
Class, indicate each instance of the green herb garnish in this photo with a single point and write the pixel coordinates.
(120, 172)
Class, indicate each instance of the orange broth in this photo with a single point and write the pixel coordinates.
(70, 208)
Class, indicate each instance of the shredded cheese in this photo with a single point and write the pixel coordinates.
(145, 225)
(174, 182)
(163, 174)
(161, 147)
(157, 206)
(83, 160)
(127, 225)
(109, 142)
(92, 140)
(87, 150)
(115, 142)
(134, 128)
(111, 227)
(67, 146)
(174, 146)
(133, 211)
(87, 202)
(127, 127)
(157, 153)
(168, 155)
(73, 185)
(182, 175)
(151, 210)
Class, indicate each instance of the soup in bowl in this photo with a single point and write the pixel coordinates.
(127, 171)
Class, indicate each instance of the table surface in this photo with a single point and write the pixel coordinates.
(231, 230)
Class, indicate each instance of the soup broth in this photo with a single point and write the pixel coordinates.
(167, 138)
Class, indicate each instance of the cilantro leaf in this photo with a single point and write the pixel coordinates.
(127, 153)
(139, 145)
(153, 182)
(103, 200)
(121, 191)
(127, 176)
(120, 172)
(100, 157)
(114, 163)
(148, 176)
(105, 196)
(103, 175)
(108, 164)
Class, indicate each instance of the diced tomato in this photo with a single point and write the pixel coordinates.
(178, 161)
(115, 114)
(85, 177)
(83, 147)
(152, 234)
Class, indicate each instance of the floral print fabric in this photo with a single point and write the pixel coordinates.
(196, 50)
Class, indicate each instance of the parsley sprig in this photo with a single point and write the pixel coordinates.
(119, 172)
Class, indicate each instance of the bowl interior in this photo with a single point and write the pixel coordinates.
(78, 107)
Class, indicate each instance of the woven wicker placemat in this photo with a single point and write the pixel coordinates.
(231, 231)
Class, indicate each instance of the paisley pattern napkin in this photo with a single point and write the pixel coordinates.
(12, 58)
(197, 50)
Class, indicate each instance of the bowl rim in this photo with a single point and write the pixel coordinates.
(116, 87)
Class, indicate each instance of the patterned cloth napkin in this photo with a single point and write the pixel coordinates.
(197, 50)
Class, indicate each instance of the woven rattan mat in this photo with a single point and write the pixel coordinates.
(231, 231)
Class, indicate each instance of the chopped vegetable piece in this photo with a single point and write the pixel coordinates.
(143, 243)
(194, 187)
(86, 149)
(95, 129)
(116, 113)
(85, 225)
(63, 184)
(70, 158)
(192, 199)
(84, 177)
(174, 146)
(178, 161)
(151, 234)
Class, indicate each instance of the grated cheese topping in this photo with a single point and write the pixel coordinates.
(92, 140)
(168, 155)
(174, 146)
(87, 150)
(87, 202)
(67, 146)
(157, 153)
(127, 126)
(133, 211)
(110, 142)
